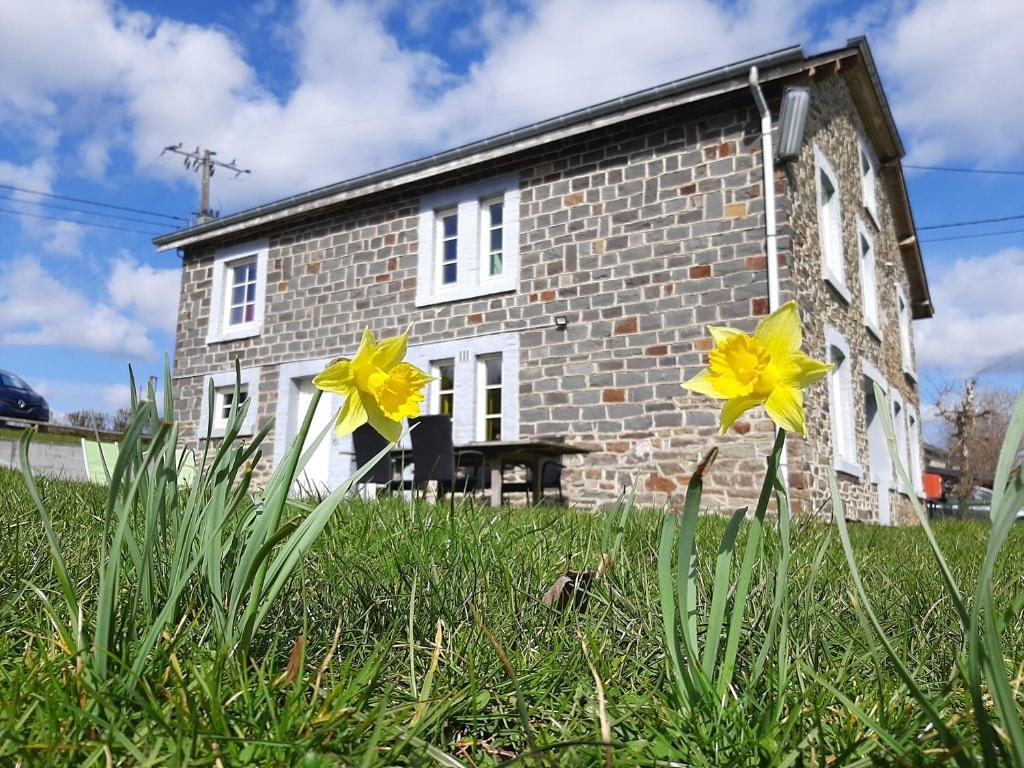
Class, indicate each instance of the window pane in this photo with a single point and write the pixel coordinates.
(239, 274)
(238, 295)
(450, 250)
(451, 225)
(492, 429)
(446, 376)
(493, 365)
(496, 239)
(236, 315)
(497, 209)
(447, 401)
(250, 293)
(450, 273)
(493, 401)
(250, 312)
(497, 263)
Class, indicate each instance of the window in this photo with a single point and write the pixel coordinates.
(238, 292)
(914, 438)
(899, 426)
(223, 385)
(444, 387)
(830, 226)
(868, 279)
(469, 241)
(225, 402)
(489, 378)
(867, 179)
(242, 302)
(906, 333)
(448, 246)
(492, 212)
(840, 395)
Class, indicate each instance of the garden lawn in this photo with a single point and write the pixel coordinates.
(416, 634)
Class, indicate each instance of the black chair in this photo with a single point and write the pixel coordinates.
(433, 457)
(550, 477)
(367, 443)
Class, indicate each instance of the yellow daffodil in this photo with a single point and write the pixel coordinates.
(378, 387)
(764, 368)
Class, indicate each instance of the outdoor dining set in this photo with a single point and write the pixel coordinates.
(495, 468)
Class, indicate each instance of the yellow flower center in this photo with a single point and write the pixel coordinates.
(741, 365)
(398, 391)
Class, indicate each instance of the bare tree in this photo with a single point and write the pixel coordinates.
(88, 419)
(121, 419)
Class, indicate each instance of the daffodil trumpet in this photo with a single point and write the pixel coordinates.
(378, 386)
(764, 368)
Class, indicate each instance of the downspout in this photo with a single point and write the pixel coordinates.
(768, 168)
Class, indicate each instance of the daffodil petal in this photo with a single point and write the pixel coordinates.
(351, 416)
(720, 333)
(785, 406)
(780, 332)
(367, 347)
(388, 429)
(337, 378)
(735, 408)
(391, 351)
(802, 371)
(398, 393)
(703, 384)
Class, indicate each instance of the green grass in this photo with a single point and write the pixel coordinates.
(385, 580)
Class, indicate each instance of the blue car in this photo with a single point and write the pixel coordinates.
(19, 401)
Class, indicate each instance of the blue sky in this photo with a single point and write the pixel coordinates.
(312, 92)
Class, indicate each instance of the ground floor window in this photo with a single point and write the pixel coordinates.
(489, 378)
(443, 372)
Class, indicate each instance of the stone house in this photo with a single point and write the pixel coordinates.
(558, 280)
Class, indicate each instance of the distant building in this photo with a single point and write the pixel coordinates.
(635, 223)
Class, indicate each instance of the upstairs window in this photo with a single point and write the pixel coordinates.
(830, 226)
(468, 241)
(868, 192)
(868, 279)
(906, 332)
(489, 378)
(448, 246)
(492, 213)
(841, 407)
(238, 292)
(444, 386)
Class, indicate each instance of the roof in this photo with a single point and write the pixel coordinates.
(780, 64)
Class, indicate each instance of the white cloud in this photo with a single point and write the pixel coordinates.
(150, 294)
(978, 318)
(36, 309)
(65, 396)
(950, 66)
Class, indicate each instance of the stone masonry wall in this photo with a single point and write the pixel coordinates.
(640, 234)
(834, 125)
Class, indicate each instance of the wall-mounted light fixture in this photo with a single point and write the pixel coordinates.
(561, 322)
(796, 101)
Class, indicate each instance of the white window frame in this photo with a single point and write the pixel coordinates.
(435, 386)
(481, 398)
(465, 353)
(871, 373)
(486, 225)
(841, 406)
(440, 239)
(867, 260)
(906, 331)
(914, 451)
(472, 279)
(250, 380)
(220, 329)
(899, 428)
(830, 227)
(868, 178)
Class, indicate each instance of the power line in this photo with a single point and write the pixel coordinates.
(971, 237)
(92, 202)
(203, 160)
(82, 223)
(972, 223)
(80, 210)
(950, 169)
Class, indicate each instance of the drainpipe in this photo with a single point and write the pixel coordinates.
(768, 160)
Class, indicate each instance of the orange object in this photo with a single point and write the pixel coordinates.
(932, 486)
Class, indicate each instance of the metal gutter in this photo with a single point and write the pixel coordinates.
(377, 180)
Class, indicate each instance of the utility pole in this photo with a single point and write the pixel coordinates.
(202, 160)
